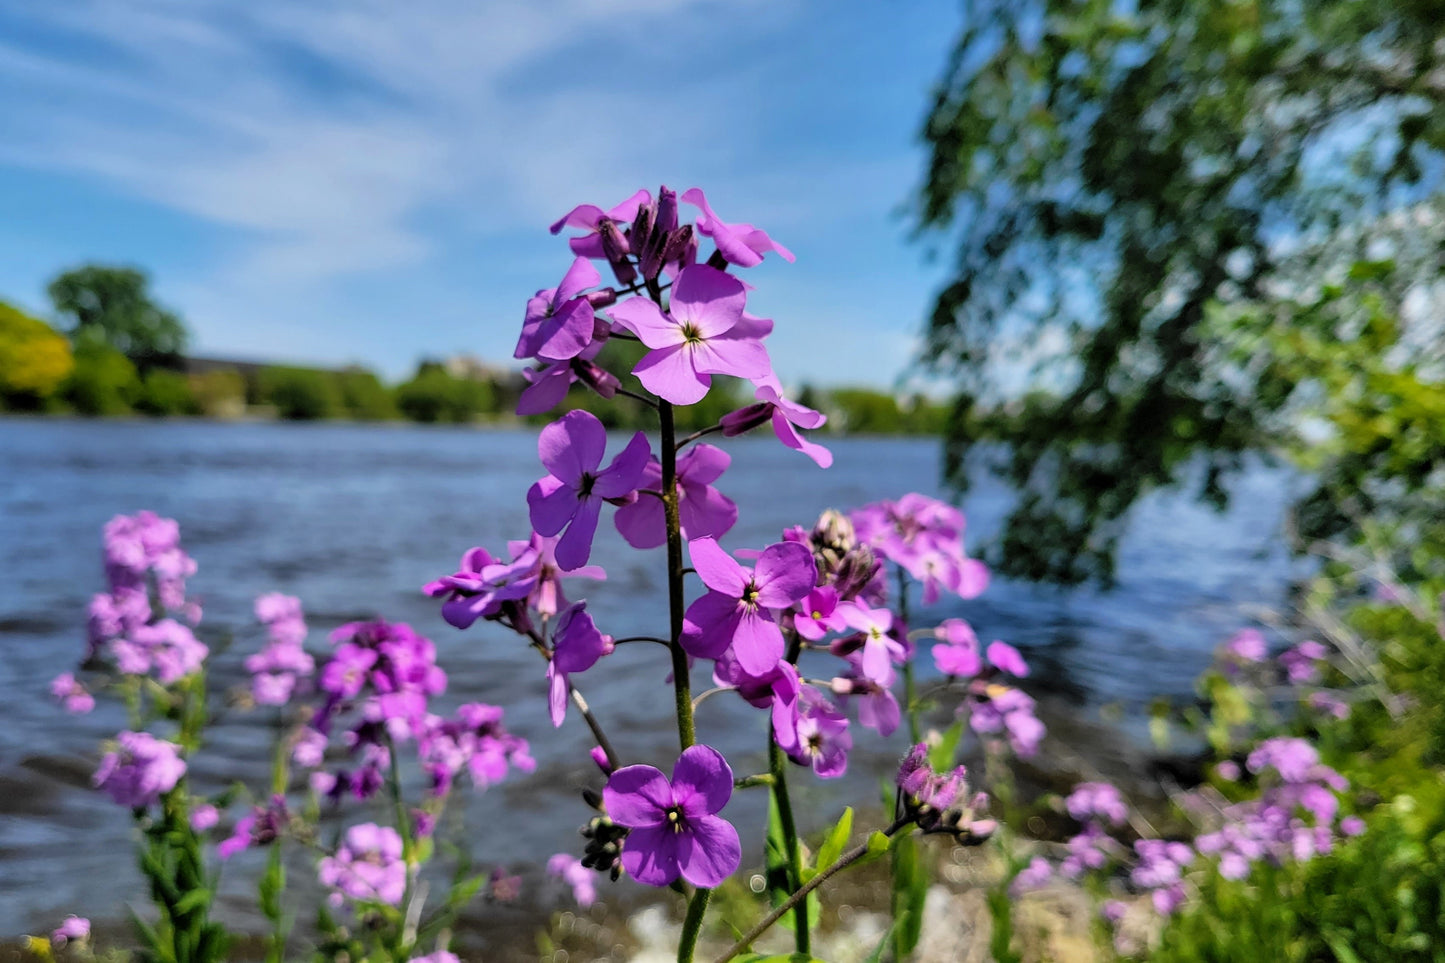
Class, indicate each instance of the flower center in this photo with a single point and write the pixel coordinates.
(675, 819)
(584, 485)
(690, 333)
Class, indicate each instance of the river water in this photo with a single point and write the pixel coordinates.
(353, 519)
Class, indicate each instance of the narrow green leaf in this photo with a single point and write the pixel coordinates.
(836, 840)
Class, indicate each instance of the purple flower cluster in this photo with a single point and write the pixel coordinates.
(284, 662)
(260, 827)
(367, 866)
(991, 707)
(703, 330)
(71, 694)
(934, 801)
(925, 537)
(140, 769)
(146, 570)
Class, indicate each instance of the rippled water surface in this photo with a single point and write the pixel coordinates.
(354, 519)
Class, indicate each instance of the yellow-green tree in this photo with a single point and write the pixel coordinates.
(34, 359)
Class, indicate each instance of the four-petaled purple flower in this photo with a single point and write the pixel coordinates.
(786, 416)
(367, 866)
(735, 612)
(560, 321)
(576, 647)
(674, 827)
(704, 511)
(740, 244)
(689, 342)
(570, 498)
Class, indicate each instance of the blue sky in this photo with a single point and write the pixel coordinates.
(368, 180)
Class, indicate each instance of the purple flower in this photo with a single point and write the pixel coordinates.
(570, 498)
(140, 770)
(734, 612)
(1246, 645)
(367, 866)
(1302, 663)
(1097, 799)
(439, 956)
(817, 735)
(482, 585)
(546, 595)
(73, 930)
(547, 386)
(925, 536)
(960, 655)
(689, 343)
(260, 827)
(786, 416)
(818, 614)
(593, 218)
(1035, 875)
(559, 323)
(879, 649)
(877, 707)
(71, 694)
(1006, 658)
(1011, 711)
(570, 870)
(704, 511)
(276, 669)
(674, 827)
(576, 647)
(740, 244)
(204, 816)
(473, 741)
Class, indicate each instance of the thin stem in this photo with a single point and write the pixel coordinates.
(777, 766)
(597, 733)
(751, 782)
(701, 432)
(844, 861)
(540, 644)
(641, 638)
(682, 689)
(910, 693)
(692, 925)
(711, 692)
(642, 398)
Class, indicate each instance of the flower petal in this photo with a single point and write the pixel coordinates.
(626, 470)
(710, 624)
(643, 523)
(785, 574)
(757, 643)
(572, 445)
(579, 277)
(718, 570)
(646, 320)
(702, 781)
(556, 694)
(551, 505)
(710, 300)
(743, 359)
(650, 855)
(637, 796)
(668, 373)
(709, 851)
(575, 545)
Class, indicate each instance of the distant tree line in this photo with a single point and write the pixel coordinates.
(118, 352)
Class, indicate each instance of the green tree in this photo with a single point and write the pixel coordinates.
(1112, 170)
(299, 394)
(111, 305)
(364, 396)
(166, 393)
(433, 395)
(34, 359)
(103, 382)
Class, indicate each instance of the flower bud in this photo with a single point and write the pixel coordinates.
(681, 246)
(743, 420)
(592, 798)
(855, 571)
(615, 248)
(666, 211)
(601, 299)
(599, 756)
(604, 382)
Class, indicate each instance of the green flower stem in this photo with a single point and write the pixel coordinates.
(777, 765)
(844, 861)
(682, 689)
(692, 924)
(910, 692)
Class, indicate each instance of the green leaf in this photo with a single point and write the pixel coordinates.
(877, 955)
(910, 889)
(836, 840)
(941, 756)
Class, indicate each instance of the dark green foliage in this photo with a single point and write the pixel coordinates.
(435, 396)
(111, 306)
(166, 392)
(300, 394)
(1111, 175)
(103, 382)
(363, 395)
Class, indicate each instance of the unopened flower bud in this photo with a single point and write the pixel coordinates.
(604, 382)
(841, 686)
(743, 420)
(599, 756)
(835, 530)
(855, 571)
(592, 798)
(615, 249)
(601, 299)
(681, 246)
(666, 211)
